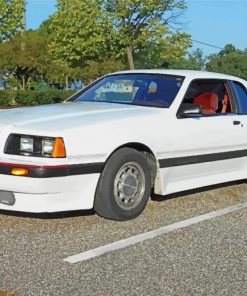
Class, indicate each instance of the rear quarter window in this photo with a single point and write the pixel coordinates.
(241, 92)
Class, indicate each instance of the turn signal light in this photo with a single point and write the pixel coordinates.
(59, 149)
(20, 172)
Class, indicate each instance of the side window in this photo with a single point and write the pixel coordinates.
(241, 92)
(212, 95)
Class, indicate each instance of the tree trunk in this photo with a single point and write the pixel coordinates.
(23, 83)
(67, 82)
(28, 83)
(129, 52)
(23, 42)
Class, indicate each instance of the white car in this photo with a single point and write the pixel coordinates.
(126, 133)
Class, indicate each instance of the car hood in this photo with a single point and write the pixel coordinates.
(69, 115)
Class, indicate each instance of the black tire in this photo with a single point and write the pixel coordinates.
(108, 201)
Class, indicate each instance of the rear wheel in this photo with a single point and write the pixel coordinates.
(124, 186)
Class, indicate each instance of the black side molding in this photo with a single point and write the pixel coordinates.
(178, 161)
(54, 171)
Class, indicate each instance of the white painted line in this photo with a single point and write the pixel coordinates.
(151, 234)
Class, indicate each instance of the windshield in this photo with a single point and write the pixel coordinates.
(133, 89)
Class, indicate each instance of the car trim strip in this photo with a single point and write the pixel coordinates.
(39, 171)
(36, 171)
(194, 159)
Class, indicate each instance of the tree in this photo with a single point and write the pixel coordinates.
(229, 61)
(93, 70)
(34, 64)
(79, 32)
(228, 49)
(108, 29)
(44, 29)
(194, 60)
(167, 54)
(138, 24)
(26, 64)
(61, 72)
(11, 18)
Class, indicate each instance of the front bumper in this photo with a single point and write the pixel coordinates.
(50, 189)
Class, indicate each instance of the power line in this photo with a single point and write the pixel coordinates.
(217, 47)
(207, 44)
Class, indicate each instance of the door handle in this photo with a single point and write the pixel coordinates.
(236, 122)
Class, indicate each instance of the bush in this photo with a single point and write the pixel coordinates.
(32, 98)
(53, 96)
(7, 97)
(26, 98)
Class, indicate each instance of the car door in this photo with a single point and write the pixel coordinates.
(239, 90)
(208, 149)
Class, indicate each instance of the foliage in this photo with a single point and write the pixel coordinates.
(11, 18)
(52, 96)
(194, 60)
(44, 29)
(163, 55)
(229, 61)
(61, 72)
(94, 70)
(31, 98)
(7, 97)
(26, 98)
(32, 64)
(141, 23)
(26, 64)
(80, 32)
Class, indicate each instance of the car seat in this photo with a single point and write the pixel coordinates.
(209, 102)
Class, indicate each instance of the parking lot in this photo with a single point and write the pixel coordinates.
(204, 258)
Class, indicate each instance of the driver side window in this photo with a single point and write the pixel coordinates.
(213, 96)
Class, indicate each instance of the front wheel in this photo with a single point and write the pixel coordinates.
(124, 186)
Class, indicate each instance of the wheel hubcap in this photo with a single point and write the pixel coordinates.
(129, 185)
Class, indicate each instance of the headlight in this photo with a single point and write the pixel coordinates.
(26, 145)
(47, 146)
(35, 146)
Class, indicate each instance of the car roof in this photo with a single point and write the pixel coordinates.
(192, 74)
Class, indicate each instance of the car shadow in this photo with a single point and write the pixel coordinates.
(46, 216)
(162, 198)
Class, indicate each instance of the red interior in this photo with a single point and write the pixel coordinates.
(209, 102)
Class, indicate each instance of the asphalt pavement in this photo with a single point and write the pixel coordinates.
(207, 258)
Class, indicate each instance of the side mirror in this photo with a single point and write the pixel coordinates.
(189, 110)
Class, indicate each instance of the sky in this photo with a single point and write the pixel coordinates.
(215, 22)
